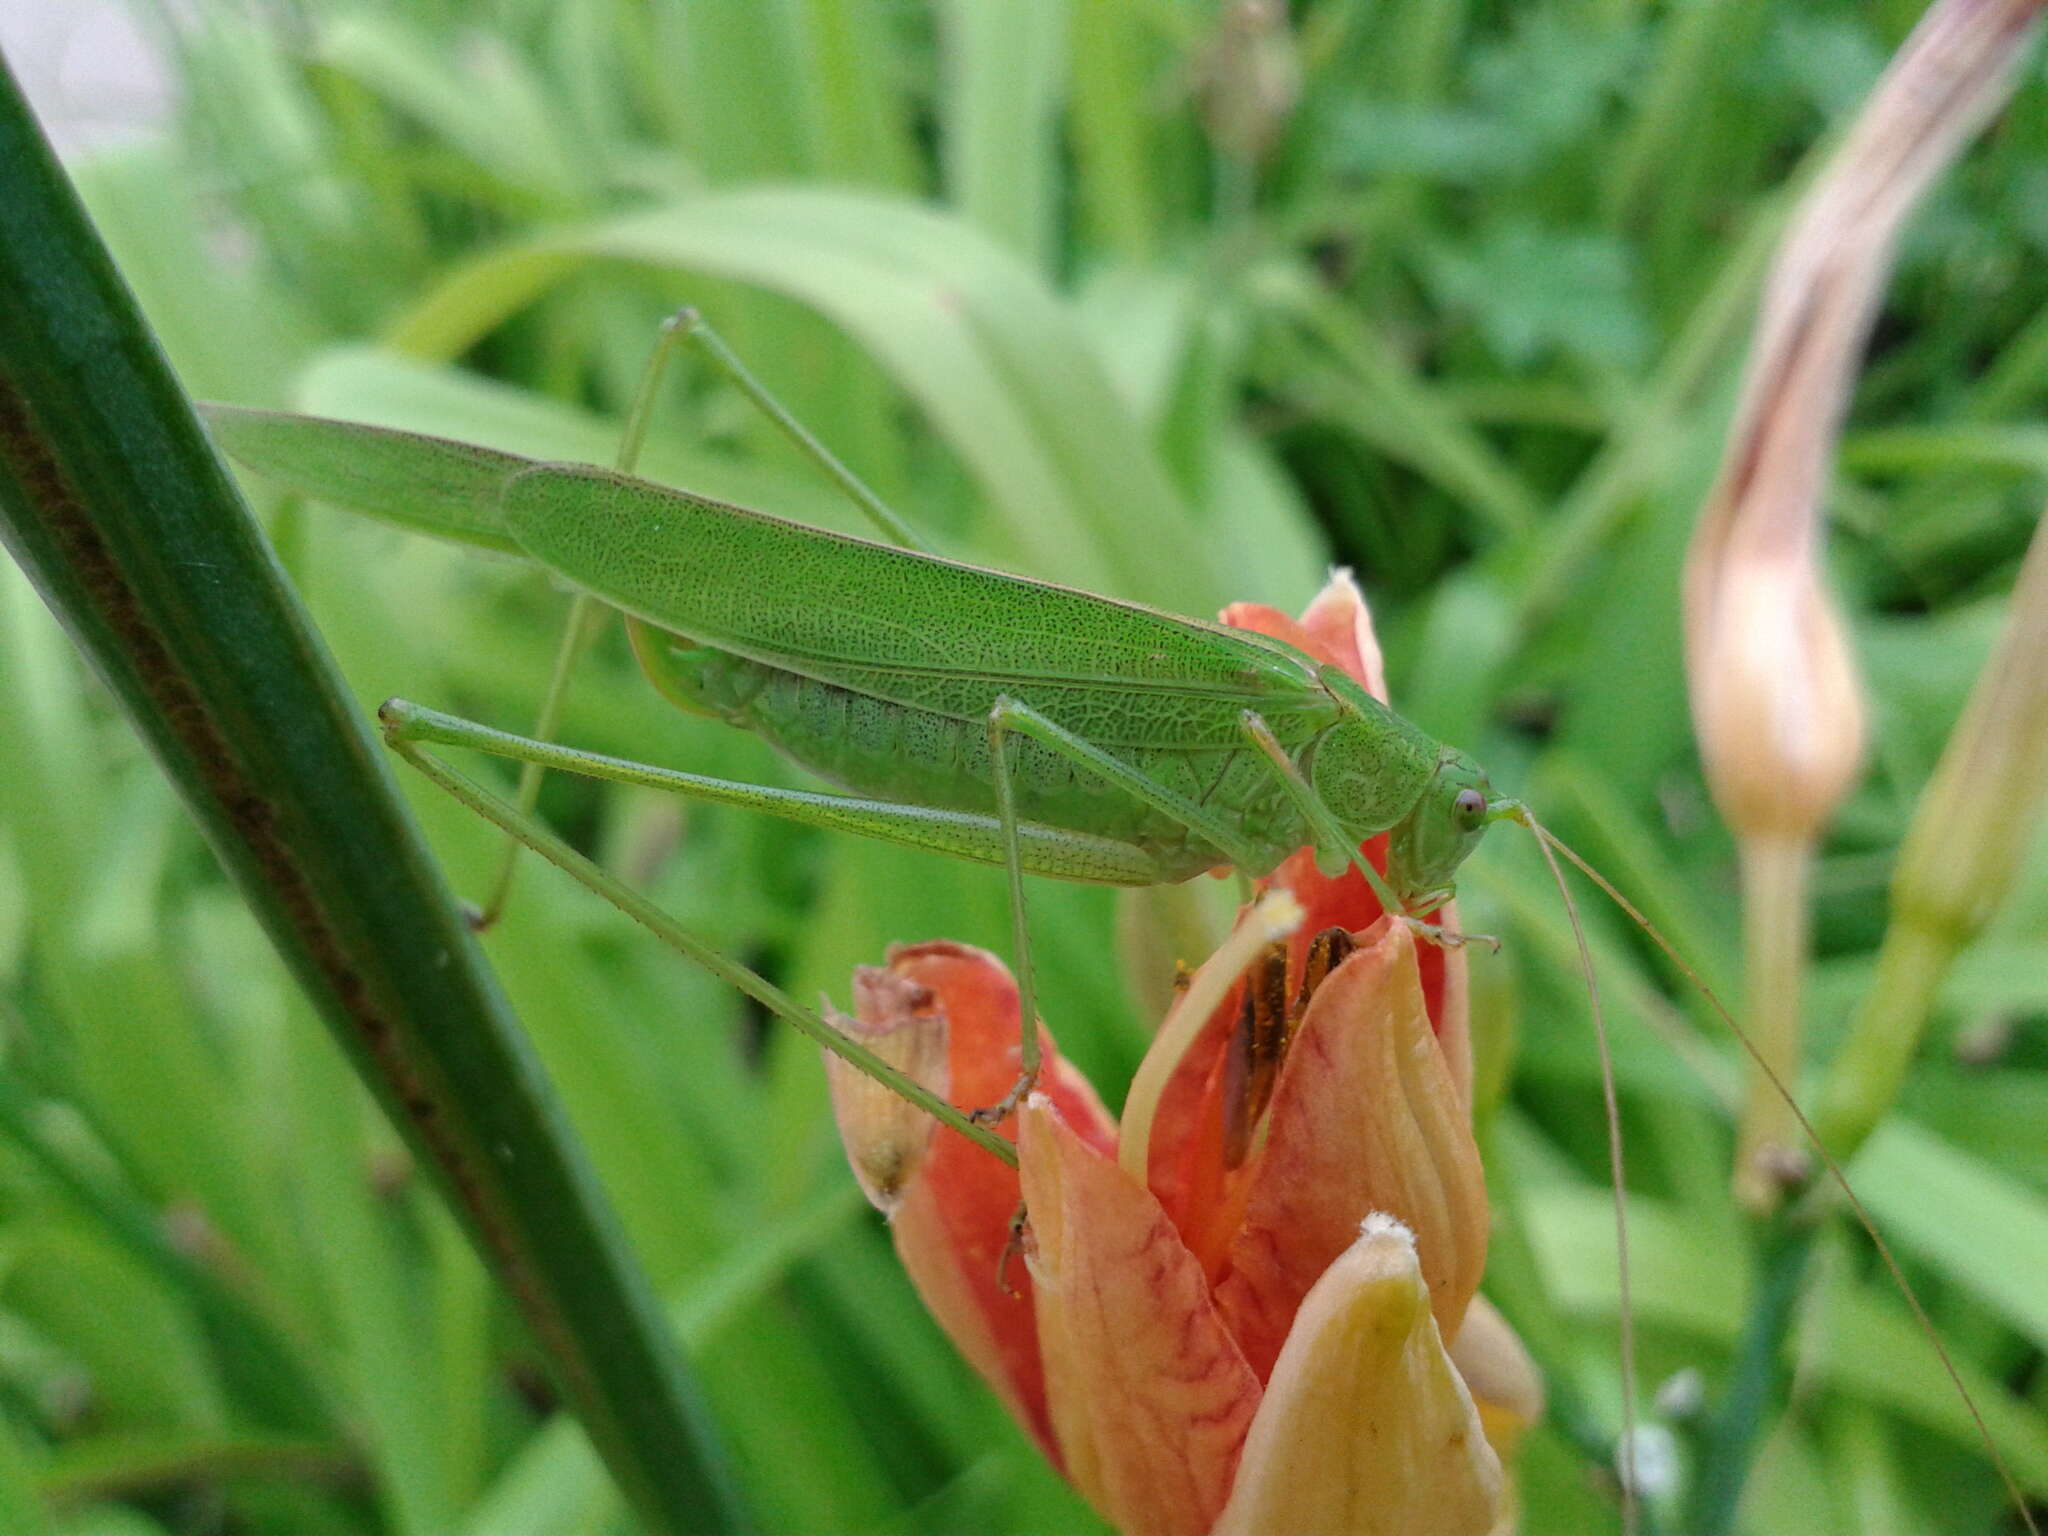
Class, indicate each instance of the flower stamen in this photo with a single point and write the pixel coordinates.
(1257, 1044)
(1265, 1029)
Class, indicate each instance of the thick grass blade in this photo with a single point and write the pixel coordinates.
(1002, 76)
(111, 500)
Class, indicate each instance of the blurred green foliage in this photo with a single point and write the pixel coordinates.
(1451, 293)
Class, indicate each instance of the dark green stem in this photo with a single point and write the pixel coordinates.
(1729, 1438)
(114, 503)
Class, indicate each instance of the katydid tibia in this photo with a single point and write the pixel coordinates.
(983, 715)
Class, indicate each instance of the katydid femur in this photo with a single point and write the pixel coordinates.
(987, 716)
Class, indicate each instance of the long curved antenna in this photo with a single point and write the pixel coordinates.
(1548, 840)
(1516, 811)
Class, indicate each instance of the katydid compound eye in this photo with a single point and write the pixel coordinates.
(1470, 807)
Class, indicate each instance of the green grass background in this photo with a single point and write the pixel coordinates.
(1471, 326)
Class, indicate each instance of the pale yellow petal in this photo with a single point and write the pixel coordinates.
(1366, 1428)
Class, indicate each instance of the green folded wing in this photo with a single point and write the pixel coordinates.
(928, 633)
(430, 485)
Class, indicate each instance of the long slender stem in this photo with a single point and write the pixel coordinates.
(114, 503)
(1784, 1245)
(1770, 1154)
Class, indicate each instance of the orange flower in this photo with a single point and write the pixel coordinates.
(1244, 1310)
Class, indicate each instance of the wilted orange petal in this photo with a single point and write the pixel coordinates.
(1149, 1396)
(1340, 625)
(1365, 1427)
(954, 1219)
(887, 1136)
(1365, 1117)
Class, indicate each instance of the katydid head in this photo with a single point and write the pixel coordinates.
(1427, 845)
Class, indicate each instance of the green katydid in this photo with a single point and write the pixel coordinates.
(983, 715)
(989, 716)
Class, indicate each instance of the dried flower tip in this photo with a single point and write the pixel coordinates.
(1251, 80)
(885, 1135)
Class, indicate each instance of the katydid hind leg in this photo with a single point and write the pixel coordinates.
(976, 837)
(584, 615)
(531, 834)
(1020, 926)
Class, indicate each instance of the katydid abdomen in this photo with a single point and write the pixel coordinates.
(881, 668)
(917, 757)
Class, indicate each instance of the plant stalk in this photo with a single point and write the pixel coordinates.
(1783, 1246)
(114, 503)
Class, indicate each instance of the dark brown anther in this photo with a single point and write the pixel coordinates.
(1257, 1045)
(1326, 951)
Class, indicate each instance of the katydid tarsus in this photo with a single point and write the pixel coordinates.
(974, 713)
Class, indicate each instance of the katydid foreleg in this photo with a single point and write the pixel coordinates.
(1334, 850)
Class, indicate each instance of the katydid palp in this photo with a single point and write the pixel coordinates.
(987, 716)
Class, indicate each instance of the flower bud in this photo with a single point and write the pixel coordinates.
(1328, 1451)
(886, 1136)
(1775, 696)
(1975, 820)
(1774, 692)
(1251, 79)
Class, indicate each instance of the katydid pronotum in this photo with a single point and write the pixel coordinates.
(983, 715)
